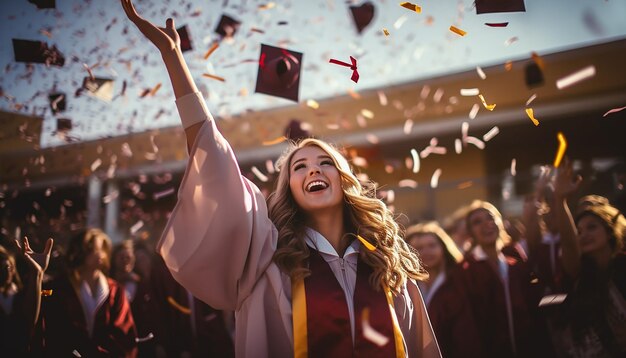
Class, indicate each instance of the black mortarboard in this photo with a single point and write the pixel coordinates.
(44, 4)
(185, 40)
(227, 26)
(57, 102)
(534, 76)
(101, 88)
(294, 130)
(279, 72)
(64, 124)
(489, 6)
(362, 15)
(37, 52)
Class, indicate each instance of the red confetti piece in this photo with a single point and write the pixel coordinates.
(497, 24)
(353, 67)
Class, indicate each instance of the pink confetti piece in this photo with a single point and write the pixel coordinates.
(144, 339)
(513, 167)
(257, 173)
(382, 98)
(408, 126)
(552, 299)
(614, 110)
(476, 142)
(407, 183)
(438, 94)
(576, 77)
(269, 166)
(163, 193)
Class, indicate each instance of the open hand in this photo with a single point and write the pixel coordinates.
(37, 261)
(566, 182)
(164, 38)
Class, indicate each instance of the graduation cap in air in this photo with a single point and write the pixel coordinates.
(64, 124)
(279, 72)
(43, 4)
(533, 75)
(362, 15)
(227, 26)
(294, 130)
(490, 6)
(57, 102)
(101, 88)
(185, 40)
(37, 52)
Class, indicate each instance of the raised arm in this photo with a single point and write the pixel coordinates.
(564, 185)
(167, 41)
(531, 214)
(37, 265)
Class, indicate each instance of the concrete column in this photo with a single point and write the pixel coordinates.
(112, 211)
(94, 197)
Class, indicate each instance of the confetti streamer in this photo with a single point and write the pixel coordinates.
(614, 110)
(178, 306)
(385, 32)
(529, 112)
(513, 167)
(369, 332)
(410, 6)
(457, 31)
(280, 139)
(481, 73)
(531, 99)
(469, 92)
(576, 77)
(407, 183)
(262, 177)
(434, 180)
(561, 151)
(208, 75)
(474, 111)
(489, 107)
(416, 161)
(492, 133)
(353, 67)
(211, 50)
(366, 243)
(497, 24)
(144, 339)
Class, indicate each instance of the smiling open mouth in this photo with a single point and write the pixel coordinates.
(316, 186)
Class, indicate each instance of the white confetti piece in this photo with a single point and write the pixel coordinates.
(144, 339)
(372, 138)
(401, 20)
(474, 111)
(458, 146)
(407, 183)
(313, 104)
(391, 196)
(269, 166)
(531, 99)
(370, 333)
(138, 225)
(438, 94)
(469, 92)
(164, 193)
(510, 41)
(76, 354)
(416, 161)
(382, 98)
(367, 113)
(552, 299)
(464, 129)
(408, 126)
(111, 196)
(434, 180)
(359, 162)
(576, 77)
(96, 163)
(492, 133)
(481, 73)
(257, 173)
(475, 141)
(425, 91)
(360, 120)
(513, 167)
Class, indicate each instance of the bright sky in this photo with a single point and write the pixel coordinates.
(419, 46)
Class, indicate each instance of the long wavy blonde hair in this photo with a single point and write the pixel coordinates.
(393, 261)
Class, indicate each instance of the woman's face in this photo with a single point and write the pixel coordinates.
(430, 250)
(314, 181)
(592, 234)
(96, 259)
(7, 272)
(483, 227)
(125, 260)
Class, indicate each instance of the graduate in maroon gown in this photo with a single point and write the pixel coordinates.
(87, 313)
(503, 292)
(445, 298)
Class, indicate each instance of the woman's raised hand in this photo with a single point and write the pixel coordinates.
(164, 38)
(566, 182)
(38, 261)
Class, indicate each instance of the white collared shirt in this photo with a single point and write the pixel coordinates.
(428, 291)
(7, 301)
(91, 302)
(343, 268)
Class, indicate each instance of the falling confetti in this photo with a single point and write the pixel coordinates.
(164, 193)
(497, 24)
(492, 133)
(480, 72)
(513, 167)
(214, 77)
(469, 92)
(531, 115)
(474, 111)
(262, 177)
(434, 180)
(416, 160)
(382, 98)
(178, 306)
(410, 6)
(458, 146)
(576, 77)
(531, 99)
(476, 142)
(144, 339)
(370, 333)
(408, 126)
(313, 104)
(280, 139)
(489, 107)
(457, 31)
(211, 50)
(561, 151)
(614, 110)
(385, 32)
(407, 183)
(366, 243)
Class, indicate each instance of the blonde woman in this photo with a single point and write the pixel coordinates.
(311, 275)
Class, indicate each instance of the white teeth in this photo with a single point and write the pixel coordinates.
(316, 183)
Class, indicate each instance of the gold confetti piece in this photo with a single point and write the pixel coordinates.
(366, 243)
(178, 306)
(410, 6)
(369, 332)
(538, 60)
(614, 110)
(531, 115)
(211, 50)
(262, 177)
(470, 92)
(416, 160)
(465, 184)
(481, 73)
(561, 151)
(154, 90)
(207, 75)
(513, 167)
(313, 104)
(508, 65)
(385, 32)
(434, 180)
(367, 113)
(489, 107)
(492, 133)
(269, 166)
(457, 31)
(46, 293)
(267, 6)
(275, 141)
(576, 77)
(407, 183)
